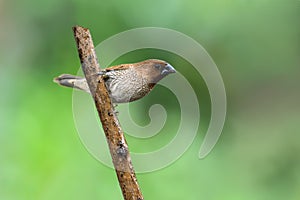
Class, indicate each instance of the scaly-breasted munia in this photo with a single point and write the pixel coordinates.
(126, 82)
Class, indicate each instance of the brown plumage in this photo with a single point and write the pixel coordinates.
(126, 82)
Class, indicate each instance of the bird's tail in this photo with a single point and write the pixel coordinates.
(72, 81)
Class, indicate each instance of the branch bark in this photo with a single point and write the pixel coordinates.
(115, 137)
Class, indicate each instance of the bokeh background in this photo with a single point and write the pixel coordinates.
(256, 46)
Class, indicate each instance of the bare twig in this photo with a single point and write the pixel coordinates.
(111, 126)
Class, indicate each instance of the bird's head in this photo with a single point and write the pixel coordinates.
(154, 70)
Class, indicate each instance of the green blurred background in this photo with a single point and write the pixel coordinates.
(256, 46)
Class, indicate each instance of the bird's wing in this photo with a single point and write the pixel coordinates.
(118, 67)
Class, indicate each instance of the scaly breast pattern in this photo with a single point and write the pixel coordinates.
(126, 85)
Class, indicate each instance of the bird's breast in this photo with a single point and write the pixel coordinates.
(126, 86)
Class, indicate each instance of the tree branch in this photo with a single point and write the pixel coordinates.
(110, 123)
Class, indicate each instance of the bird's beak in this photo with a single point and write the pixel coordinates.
(168, 70)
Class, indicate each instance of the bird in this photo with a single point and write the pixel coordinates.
(126, 82)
